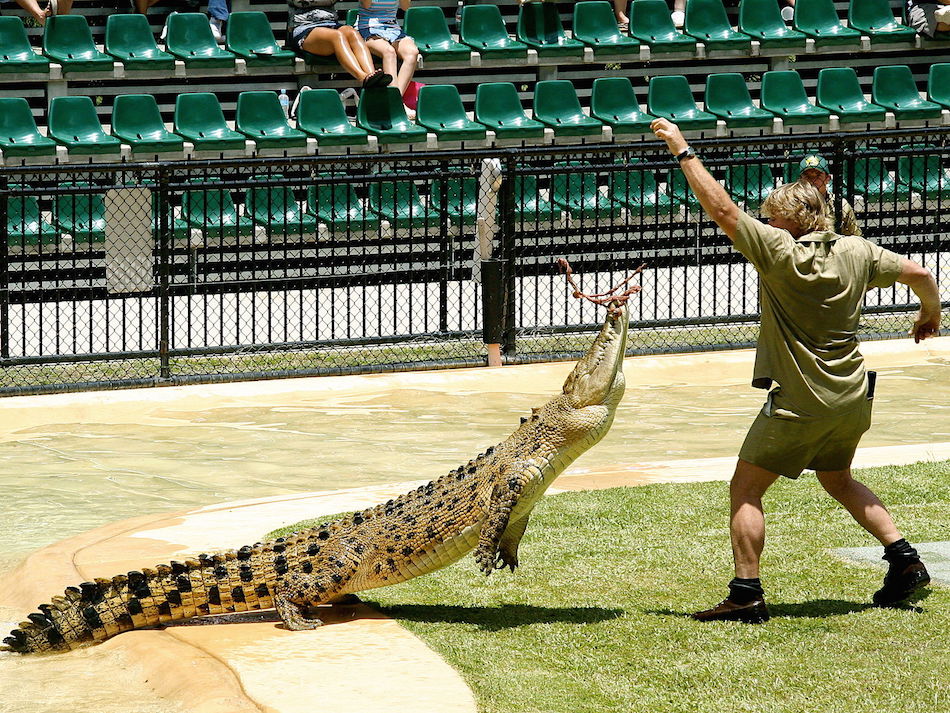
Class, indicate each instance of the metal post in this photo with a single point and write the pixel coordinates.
(4, 270)
(507, 240)
(164, 276)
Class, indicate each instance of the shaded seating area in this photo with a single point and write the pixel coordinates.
(671, 98)
(382, 113)
(19, 135)
(321, 115)
(596, 26)
(498, 107)
(728, 97)
(74, 124)
(482, 28)
(68, 41)
(137, 121)
(540, 27)
(427, 26)
(840, 92)
(557, 106)
(260, 117)
(783, 94)
(200, 119)
(129, 39)
(440, 110)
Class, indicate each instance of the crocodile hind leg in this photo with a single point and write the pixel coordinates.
(508, 546)
(296, 592)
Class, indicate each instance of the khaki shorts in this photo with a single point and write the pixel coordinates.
(788, 445)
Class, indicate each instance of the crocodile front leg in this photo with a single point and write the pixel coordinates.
(296, 592)
(508, 547)
(504, 497)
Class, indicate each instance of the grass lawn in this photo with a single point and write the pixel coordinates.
(595, 619)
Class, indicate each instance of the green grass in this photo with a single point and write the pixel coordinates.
(595, 620)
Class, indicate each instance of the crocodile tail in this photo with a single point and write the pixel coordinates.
(233, 581)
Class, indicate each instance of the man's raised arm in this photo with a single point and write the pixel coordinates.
(712, 196)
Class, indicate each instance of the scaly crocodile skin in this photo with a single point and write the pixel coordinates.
(483, 505)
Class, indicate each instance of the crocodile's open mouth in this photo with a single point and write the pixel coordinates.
(592, 380)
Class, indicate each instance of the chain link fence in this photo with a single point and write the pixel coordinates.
(137, 274)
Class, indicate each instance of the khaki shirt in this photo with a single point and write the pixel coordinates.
(811, 294)
(849, 221)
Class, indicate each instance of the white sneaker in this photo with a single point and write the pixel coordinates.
(217, 29)
(788, 13)
(350, 96)
(678, 18)
(165, 26)
(293, 107)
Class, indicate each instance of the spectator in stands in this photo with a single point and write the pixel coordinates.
(313, 26)
(813, 283)
(813, 170)
(620, 12)
(385, 38)
(55, 7)
(929, 18)
(218, 13)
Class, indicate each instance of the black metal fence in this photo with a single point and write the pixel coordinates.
(131, 274)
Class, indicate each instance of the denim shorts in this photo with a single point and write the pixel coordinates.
(297, 36)
(390, 33)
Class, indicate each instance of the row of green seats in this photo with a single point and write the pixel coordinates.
(68, 41)
(539, 27)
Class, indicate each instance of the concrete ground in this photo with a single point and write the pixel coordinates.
(360, 660)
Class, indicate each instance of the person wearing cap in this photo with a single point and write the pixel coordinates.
(813, 169)
(812, 286)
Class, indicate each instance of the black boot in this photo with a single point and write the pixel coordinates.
(905, 575)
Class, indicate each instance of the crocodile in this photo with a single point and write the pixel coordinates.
(483, 506)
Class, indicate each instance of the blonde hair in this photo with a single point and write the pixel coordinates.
(799, 202)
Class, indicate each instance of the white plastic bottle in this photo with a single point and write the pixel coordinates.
(284, 102)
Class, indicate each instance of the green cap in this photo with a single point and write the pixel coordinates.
(813, 161)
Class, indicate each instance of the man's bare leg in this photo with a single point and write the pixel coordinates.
(864, 505)
(747, 521)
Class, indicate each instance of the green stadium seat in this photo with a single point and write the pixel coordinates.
(276, 208)
(483, 29)
(938, 84)
(16, 54)
(427, 26)
(137, 121)
(320, 113)
(539, 27)
(338, 206)
(894, 89)
(531, 206)
(638, 191)
(461, 199)
(840, 92)
(82, 215)
(762, 20)
(577, 192)
(875, 18)
(260, 117)
(73, 122)
(189, 38)
(819, 20)
(440, 110)
(706, 20)
(783, 94)
(68, 40)
(650, 22)
(874, 182)
(498, 107)
(749, 183)
(679, 191)
(397, 200)
(249, 36)
(596, 26)
(25, 224)
(923, 173)
(18, 133)
(556, 105)
(212, 211)
(727, 96)
(382, 113)
(671, 98)
(129, 39)
(614, 102)
(198, 118)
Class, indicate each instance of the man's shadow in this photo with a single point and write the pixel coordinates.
(814, 609)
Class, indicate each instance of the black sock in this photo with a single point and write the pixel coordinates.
(743, 591)
(900, 553)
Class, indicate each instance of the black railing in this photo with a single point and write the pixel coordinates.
(182, 272)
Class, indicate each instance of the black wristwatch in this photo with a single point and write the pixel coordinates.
(685, 153)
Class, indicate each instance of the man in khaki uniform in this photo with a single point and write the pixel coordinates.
(813, 169)
(812, 286)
